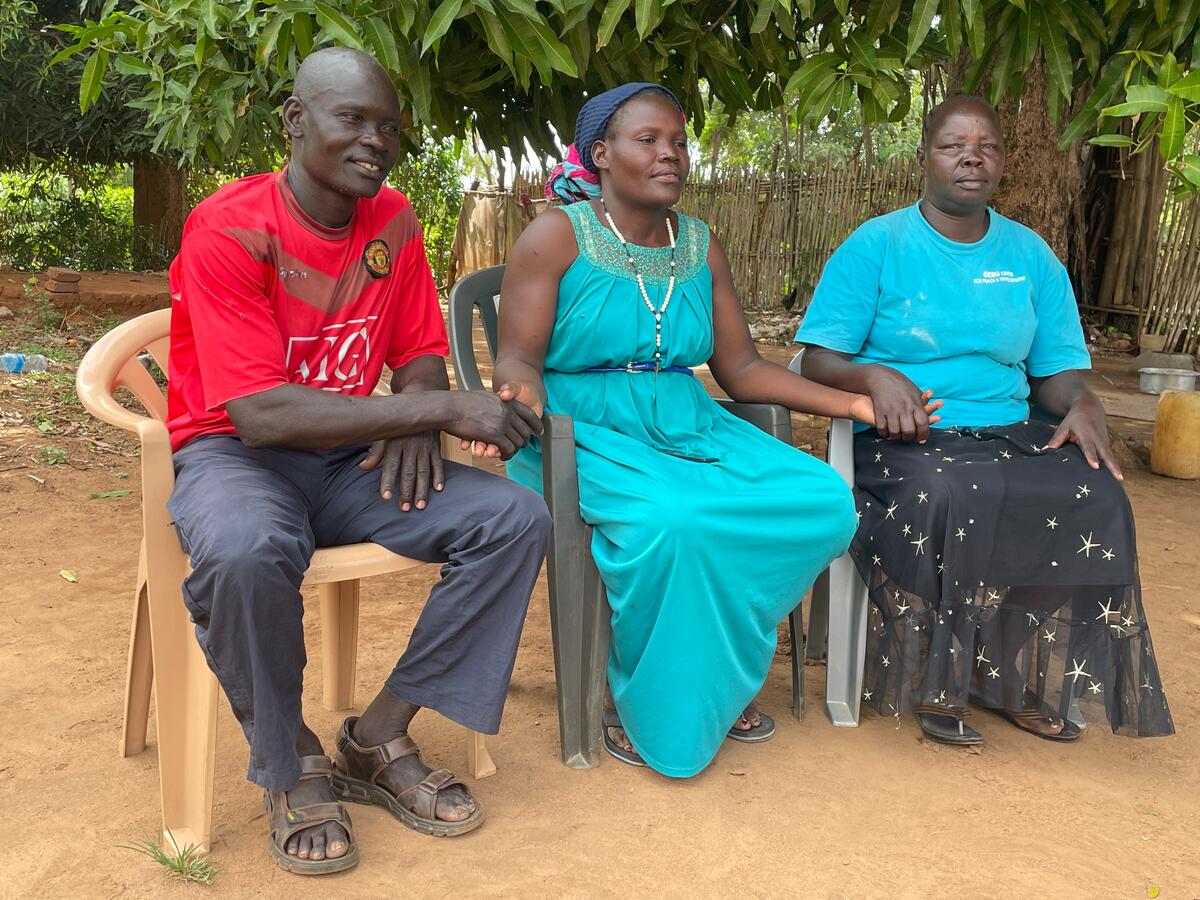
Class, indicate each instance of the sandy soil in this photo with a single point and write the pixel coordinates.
(818, 811)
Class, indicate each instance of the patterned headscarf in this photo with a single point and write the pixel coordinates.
(577, 178)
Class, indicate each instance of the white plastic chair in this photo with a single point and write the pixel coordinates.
(163, 652)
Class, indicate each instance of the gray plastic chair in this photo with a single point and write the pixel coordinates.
(838, 621)
(579, 611)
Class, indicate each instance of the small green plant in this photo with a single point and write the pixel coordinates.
(45, 426)
(53, 456)
(189, 866)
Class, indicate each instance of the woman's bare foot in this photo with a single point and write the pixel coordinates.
(749, 718)
(328, 840)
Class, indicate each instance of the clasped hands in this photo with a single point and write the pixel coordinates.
(489, 425)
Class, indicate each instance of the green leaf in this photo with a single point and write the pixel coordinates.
(1111, 140)
(209, 11)
(338, 26)
(93, 79)
(552, 48)
(302, 34)
(382, 42)
(762, 16)
(1187, 87)
(922, 21)
(881, 17)
(812, 69)
(613, 10)
(128, 64)
(269, 37)
(497, 39)
(862, 50)
(1057, 56)
(1174, 129)
(440, 22)
(952, 25)
(1135, 108)
(647, 15)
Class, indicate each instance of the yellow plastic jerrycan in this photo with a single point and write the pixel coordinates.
(1176, 448)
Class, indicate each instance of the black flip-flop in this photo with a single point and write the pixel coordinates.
(630, 757)
(944, 724)
(763, 731)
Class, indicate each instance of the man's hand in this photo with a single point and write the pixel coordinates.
(1084, 425)
(513, 390)
(902, 411)
(495, 426)
(418, 461)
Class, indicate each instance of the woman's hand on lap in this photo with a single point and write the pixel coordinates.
(1084, 425)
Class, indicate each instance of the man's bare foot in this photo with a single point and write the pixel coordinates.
(325, 841)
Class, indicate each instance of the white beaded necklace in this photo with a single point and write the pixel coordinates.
(657, 313)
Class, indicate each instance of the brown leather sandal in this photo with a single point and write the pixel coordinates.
(286, 820)
(416, 805)
(1030, 720)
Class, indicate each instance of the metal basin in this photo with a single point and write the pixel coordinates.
(1155, 381)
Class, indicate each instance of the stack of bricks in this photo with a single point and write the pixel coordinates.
(61, 281)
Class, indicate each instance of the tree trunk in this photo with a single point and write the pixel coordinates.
(160, 206)
(1042, 184)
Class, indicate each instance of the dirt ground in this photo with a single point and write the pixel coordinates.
(817, 811)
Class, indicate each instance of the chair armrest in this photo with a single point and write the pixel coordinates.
(772, 418)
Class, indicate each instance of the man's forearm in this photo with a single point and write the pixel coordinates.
(301, 418)
(425, 373)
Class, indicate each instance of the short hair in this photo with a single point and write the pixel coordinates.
(953, 104)
(320, 67)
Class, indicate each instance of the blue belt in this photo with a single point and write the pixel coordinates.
(642, 367)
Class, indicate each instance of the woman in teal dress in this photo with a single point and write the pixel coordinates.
(706, 531)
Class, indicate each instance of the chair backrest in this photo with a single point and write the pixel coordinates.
(479, 290)
(112, 362)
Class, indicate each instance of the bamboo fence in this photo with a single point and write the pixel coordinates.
(1174, 307)
(778, 232)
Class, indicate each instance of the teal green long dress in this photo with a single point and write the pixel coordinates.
(701, 560)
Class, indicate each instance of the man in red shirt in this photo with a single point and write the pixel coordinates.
(290, 293)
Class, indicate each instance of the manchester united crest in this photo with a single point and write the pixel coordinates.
(377, 258)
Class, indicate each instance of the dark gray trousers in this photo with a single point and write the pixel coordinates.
(250, 520)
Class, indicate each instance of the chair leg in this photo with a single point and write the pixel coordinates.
(799, 648)
(139, 674)
(597, 624)
(847, 642)
(339, 643)
(479, 760)
(185, 702)
(818, 618)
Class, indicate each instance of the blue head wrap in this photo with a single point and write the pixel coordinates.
(593, 119)
(576, 177)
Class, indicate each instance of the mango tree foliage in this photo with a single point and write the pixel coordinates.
(214, 74)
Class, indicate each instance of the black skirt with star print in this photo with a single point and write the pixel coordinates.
(1005, 574)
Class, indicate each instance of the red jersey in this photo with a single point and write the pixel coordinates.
(263, 295)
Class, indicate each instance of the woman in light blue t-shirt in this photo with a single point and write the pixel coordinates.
(999, 552)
